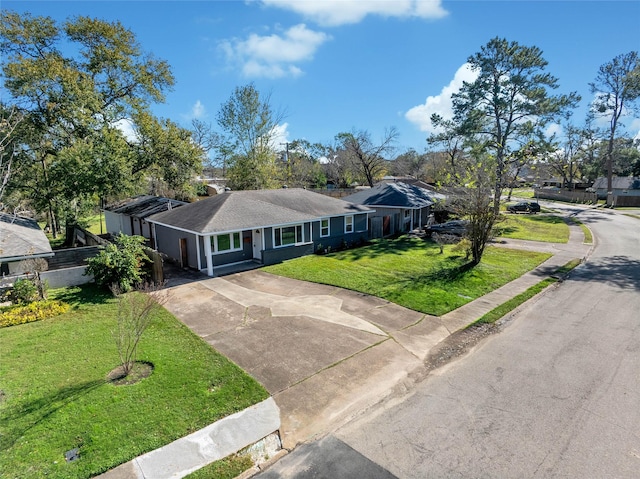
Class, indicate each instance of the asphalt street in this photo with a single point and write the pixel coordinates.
(554, 394)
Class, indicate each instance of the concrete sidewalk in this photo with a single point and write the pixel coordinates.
(212, 443)
(325, 354)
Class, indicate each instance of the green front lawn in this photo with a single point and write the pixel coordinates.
(412, 272)
(55, 395)
(539, 227)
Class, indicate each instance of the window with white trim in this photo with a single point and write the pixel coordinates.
(288, 235)
(348, 224)
(324, 227)
(226, 243)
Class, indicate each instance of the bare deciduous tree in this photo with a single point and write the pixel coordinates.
(135, 314)
(8, 123)
(368, 157)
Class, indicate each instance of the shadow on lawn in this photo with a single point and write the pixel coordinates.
(384, 247)
(84, 294)
(445, 274)
(16, 421)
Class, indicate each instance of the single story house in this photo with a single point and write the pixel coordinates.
(265, 226)
(130, 216)
(621, 186)
(21, 239)
(399, 207)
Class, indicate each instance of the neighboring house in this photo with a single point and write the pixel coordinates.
(399, 207)
(265, 226)
(409, 181)
(130, 216)
(21, 239)
(621, 186)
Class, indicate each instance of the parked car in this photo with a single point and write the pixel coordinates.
(453, 227)
(524, 207)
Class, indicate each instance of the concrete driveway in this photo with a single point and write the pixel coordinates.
(322, 352)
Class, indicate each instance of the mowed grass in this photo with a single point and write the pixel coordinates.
(538, 227)
(56, 396)
(412, 273)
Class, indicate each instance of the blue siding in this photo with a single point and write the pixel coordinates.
(235, 256)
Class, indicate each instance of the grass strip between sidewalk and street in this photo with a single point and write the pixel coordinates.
(56, 396)
(508, 306)
(588, 237)
(412, 273)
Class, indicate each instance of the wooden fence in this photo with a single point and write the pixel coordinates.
(571, 196)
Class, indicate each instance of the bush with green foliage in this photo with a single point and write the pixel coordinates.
(24, 291)
(120, 263)
(34, 311)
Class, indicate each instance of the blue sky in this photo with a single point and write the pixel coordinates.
(339, 65)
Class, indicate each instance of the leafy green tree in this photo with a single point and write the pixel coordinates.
(249, 125)
(498, 115)
(565, 161)
(165, 152)
(121, 264)
(451, 139)
(338, 166)
(617, 89)
(410, 163)
(507, 105)
(70, 147)
(301, 165)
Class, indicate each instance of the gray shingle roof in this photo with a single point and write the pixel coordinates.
(143, 206)
(617, 183)
(241, 210)
(20, 238)
(394, 195)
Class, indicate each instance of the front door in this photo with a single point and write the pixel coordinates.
(184, 257)
(257, 244)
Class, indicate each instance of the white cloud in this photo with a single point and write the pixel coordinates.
(280, 136)
(198, 111)
(126, 127)
(342, 12)
(634, 128)
(554, 129)
(441, 104)
(276, 55)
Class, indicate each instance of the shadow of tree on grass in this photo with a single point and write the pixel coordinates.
(17, 420)
(384, 247)
(84, 294)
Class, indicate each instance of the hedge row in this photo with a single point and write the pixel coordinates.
(28, 313)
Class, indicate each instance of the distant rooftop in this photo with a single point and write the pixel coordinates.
(22, 238)
(143, 206)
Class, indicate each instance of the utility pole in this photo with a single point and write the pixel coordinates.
(286, 159)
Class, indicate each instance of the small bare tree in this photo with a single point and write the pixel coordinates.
(135, 313)
(442, 239)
